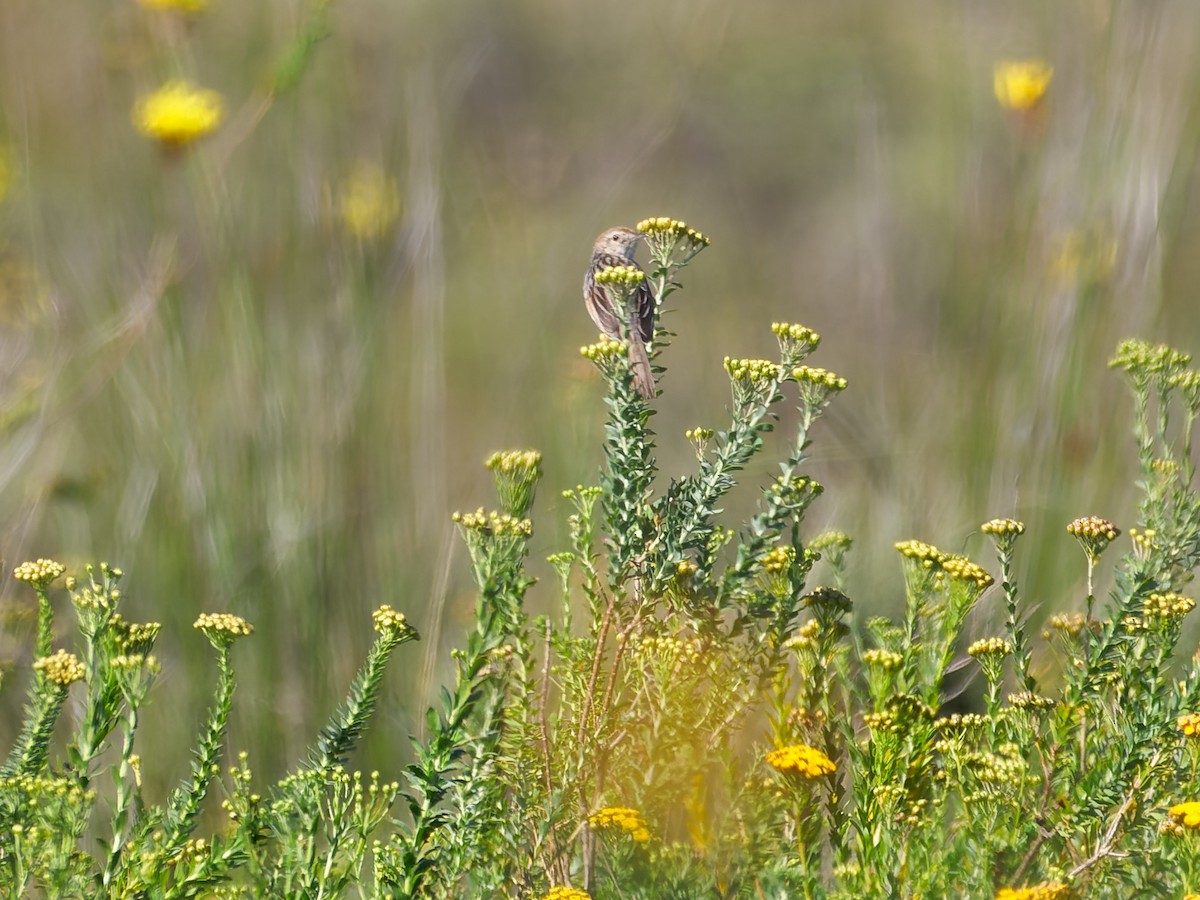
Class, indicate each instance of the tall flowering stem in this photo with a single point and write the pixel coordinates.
(1004, 532)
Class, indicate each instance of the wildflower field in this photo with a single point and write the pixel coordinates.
(886, 593)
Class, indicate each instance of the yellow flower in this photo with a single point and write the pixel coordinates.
(621, 818)
(178, 113)
(1047, 890)
(1189, 724)
(1186, 814)
(187, 6)
(370, 201)
(800, 759)
(1021, 84)
(558, 892)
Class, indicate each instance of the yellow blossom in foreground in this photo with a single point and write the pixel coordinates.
(1186, 814)
(559, 892)
(187, 6)
(1189, 724)
(1047, 890)
(1021, 84)
(62, 668)
(178, 113)
(623, 818)
(369, 201)
(800, 759)
(40, 572)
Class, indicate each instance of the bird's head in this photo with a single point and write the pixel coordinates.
(618, 242)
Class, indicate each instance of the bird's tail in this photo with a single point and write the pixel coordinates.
(639, 362)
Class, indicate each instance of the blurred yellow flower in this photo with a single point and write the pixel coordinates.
(370, 201)
(178, 113)
(1021, 84)
(187, 6)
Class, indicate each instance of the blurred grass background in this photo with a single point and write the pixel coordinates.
(210, 382)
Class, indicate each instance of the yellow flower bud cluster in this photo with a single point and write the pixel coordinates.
(1186, 814)
(223, 623)
(132, 662)
(1189, 724)
(62, 668)
(820, 377)
(514, 461)
(1136, 356)
(1046, 890)
(962, 569)
(1006, 766)
(369, 201)
(797, 334)
(1029, 700)
(1020, 85)
(1167, 606)
(672, 229)
(1093, 527)
(1067, 624)
(961, 720)
(187, 6)
(1143, 541)
(778, 560)
(178, 113)
(927, 555)
(670, 647)
(388, 619)
(621, 818)
(558, 892)
(801, 760)
(41, 788)
(626, 276)
(39, 572)
(827, 539)
(755, 371)
(686, 568)
(699, 435)
(992, 646)
(1002, 527)
(888, 660)
(498, 524)
(583, 493)
(604, 349)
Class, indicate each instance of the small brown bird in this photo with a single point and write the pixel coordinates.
(616, 247)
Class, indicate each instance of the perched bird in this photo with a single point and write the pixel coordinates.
(616, 247)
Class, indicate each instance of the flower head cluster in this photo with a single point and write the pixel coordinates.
(621, 818)
(666, 236)
(925, 555)
(493, 523)
(1143, 542)
(369, 201)
(517, 473)
(819, 377)
(61, 668)
(801, 760)
(754, 381)
(992, 646)
(1020, 85)
(1167, 606)
(558, 892)
(621, 276)
(1004, 532)
(699, 438)
(1028, 700)
(1188, 381)
(1067, 624)
(1046, 890)
(669, 647)
(133, 637)
(389, 621)
(222, 629)
(795, 342)
(829, 540)
(888, 660)
(778, 560)
(1186, 814)
(186, 6)
(964, 721)
(39, 573)
(605, 352)
(1094, 534)
(178, 113)
(1189, 724)
(962, 569)
(1139, 358)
